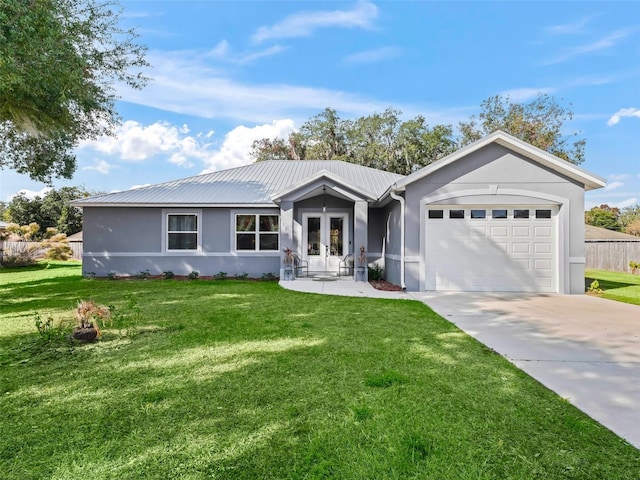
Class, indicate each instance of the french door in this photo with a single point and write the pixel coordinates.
(325, 240)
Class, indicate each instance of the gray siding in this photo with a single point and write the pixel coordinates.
(126, 241)
(122, 229)
(393, 248)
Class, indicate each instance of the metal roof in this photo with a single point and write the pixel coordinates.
(250, 184)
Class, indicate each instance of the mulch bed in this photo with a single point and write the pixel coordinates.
(384, 285)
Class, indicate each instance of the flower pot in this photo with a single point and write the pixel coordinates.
(85, 335)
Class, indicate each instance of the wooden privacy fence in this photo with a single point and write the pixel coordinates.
(12, 249)
(611, 254)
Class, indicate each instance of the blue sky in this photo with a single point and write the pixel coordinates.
(227, 72)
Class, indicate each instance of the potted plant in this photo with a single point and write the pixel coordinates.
(288, 264)
(362, 264)
(89, 315)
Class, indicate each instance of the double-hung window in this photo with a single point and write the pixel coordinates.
(256, 232)
(182, 231)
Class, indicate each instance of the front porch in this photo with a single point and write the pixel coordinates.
(325, 223)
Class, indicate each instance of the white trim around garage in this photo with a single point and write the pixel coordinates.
(562, 225)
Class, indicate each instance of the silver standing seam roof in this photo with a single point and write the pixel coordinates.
(250, 184)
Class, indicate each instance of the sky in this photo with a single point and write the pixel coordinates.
(225, 73)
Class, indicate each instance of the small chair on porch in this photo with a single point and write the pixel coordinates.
(300, 267)
(346, 265)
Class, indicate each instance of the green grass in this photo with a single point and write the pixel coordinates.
(245, 380)
(622, 287)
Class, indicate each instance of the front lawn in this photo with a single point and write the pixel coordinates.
(623, 287)
(245, 380)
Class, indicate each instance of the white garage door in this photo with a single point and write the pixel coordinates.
(491, 248)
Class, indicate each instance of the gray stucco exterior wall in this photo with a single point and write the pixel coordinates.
(496, 175)
(129, 240)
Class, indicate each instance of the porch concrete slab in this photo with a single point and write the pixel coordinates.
(343, 286)
(584, 348)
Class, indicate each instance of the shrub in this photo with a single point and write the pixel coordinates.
(194, 275)
(242, 276)
(634, 266)
(111, 275)
(168, 275)
(595, 287)
(268, 277)
(47, 330)
(144, 274)
(376, 272)
(220, 275)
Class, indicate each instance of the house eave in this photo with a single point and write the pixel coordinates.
(177, 205)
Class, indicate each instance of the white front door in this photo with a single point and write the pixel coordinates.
(325, 240)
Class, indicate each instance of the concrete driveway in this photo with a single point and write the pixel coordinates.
(584, 348)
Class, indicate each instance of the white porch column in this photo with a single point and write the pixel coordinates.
(360, 233)
(286, 225)
(286, 236)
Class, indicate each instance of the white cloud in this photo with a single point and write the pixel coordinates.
(101, 167)
(629, 202)
(373, 56)
(220, 50)
(237, 144)
(524, 94)
(570, 28)
(613, 185)
(223, 52)
(306, 23)
(623, 112)
(184, 83)
(31, 194)
(268, 52)
(604, 43)
(618, 177)
(135, 142)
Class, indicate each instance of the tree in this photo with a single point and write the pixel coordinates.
(381, 140)
(51, 211)
(630, 220)
(603, 216)
(540, 122)
(59, 60)
(325, 136)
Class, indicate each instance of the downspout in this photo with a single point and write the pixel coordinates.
(401, 200)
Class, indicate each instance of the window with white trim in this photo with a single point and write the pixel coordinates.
(256, 232)
(182, 231)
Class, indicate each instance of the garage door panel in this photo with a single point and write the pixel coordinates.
(542, 248)
(521, 231)
(542, 232)
(499, 231)
(492, 254)
(520, 247)
(542, 264)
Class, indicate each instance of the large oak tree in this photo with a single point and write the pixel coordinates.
(60, 61)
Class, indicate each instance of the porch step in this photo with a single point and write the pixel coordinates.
(323, 275)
